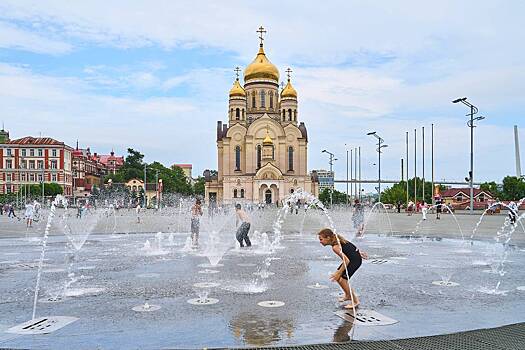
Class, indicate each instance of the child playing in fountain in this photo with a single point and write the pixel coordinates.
(242, 231)
(358, 218)
(352, 259)
(196, 213)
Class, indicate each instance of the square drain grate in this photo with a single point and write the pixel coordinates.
(366, 317)
(42, 325)
(379, 261)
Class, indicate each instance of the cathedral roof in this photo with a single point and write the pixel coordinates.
(237, 89)
(289, 91)
(261, 68)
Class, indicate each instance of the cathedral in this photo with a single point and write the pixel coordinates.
(262, 153)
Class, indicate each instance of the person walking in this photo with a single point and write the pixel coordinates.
(244, 228)
(196, 213)
(28, 214)
(513, 212)
(358, 218)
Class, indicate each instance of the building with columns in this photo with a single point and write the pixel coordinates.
(262, 153)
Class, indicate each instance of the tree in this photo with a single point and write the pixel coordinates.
(491, 187)
(513, 188)
(396, 193)
(337, 197)
(199, 186)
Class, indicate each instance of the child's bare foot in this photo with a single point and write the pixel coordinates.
(344, 298)
(351, 306)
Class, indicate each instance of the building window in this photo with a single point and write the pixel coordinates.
(231, 113)
(53, 164)
(8, 177)
(8, 152)
(32, 177)
(9, 164)
(259, 153)
(31, 152)
(263, 98)
(242, 192)
(253, 99)
(23, 153)
(40, 152)
(290, 115)
(31, 164)
(235, 193)
(23, 176)
(39, 177)
(290, 158)
(54, 153)
(54, 177)
(237, 158)
(237, 114)
(295, 114)
(271, 100)
(459, 198)
(481, 198)
(243, 117)
(284, 115)
(40, 164)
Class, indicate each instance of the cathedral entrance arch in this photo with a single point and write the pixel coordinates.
(268, 196)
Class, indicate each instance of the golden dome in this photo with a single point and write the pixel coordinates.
(289, 91)
(237, 89)
(261, 68)
(267, 140)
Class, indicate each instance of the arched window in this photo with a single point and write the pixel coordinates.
(290, 114)
(253, 99)
(243, 117)
(235, 193)
(263, 98)
(237, 114)
(295, 114)
(259, 152)
(238, 158)
(284, 115)
(290, 158)
(242, 192)
(273, 152)
(231, 113)
(271, 100)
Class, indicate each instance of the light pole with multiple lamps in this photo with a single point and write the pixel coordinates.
(331, 163)
(470, 124)
(380, 145)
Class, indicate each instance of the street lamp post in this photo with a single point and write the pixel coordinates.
(470, 124)
(380, 145)
(331, 163)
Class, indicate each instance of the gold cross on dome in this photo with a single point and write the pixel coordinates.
(237, 70)
(288, 71)
(261, 31)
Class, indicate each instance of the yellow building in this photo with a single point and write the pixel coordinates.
(262, 154)
(152, 190)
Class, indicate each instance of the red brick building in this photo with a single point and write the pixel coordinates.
(111, 162)
(31, 160)
(88, 171)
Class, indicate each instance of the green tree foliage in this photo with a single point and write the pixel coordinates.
(513, 188)
(397, 193)
(198, 186)
(337, 197)
(491, 187)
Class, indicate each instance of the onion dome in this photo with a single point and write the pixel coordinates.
(289, 91)
(267, 140)
(261, 68)
(237, 89)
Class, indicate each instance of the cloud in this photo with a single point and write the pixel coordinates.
(12, 37)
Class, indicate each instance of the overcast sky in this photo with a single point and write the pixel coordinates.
(155, 76)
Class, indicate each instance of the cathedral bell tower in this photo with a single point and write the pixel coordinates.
(237, 102)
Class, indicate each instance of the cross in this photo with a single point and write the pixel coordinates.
(237, 70)
(261, 31)
(288, 71)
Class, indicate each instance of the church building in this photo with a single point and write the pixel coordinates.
(262, 152)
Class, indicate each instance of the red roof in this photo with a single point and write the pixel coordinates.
(452, 192)
(105, 158)
(28, 140)
(183, 165)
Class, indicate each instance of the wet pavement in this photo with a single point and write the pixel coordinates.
(115, 272)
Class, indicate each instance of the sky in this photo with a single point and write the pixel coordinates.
(155, 76)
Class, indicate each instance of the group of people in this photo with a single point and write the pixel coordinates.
(350, 255)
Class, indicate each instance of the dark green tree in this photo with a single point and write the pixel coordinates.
(337, 197)
(198, 186)
(491, 187)
(513, 188)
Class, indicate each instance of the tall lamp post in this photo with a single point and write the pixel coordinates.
(331, 163)
(380, 145)
(470, 124)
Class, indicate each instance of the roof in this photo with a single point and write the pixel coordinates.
(41, 141)
(105, 158)
(183, 165)
(452, 192)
